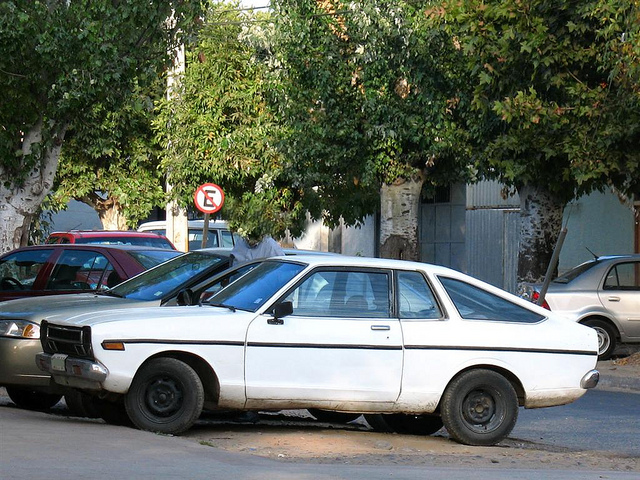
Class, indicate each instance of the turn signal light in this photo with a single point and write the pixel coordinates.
(113, 345)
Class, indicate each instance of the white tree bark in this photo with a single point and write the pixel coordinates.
(540, 225)
(19, 204)
(399, 210)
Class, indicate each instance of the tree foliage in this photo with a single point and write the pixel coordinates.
(369, 98)
(218, 127)
(111, 162)
(556, 90)
(59, 59)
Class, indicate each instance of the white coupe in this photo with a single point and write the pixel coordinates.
(412, 346)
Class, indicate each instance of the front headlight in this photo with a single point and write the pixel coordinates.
(19, 329)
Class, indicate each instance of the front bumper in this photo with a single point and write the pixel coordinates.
(590, 379)
(71, 371)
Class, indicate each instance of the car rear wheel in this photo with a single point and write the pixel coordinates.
(479, 407)
(606, 337)
(166, 396)
(32, 399)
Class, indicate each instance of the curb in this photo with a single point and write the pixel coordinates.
(606, 382)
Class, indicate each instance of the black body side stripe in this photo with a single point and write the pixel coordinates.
(356, 346)
(500, 349)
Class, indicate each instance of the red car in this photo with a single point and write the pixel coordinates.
(111, 237)
(72, 268)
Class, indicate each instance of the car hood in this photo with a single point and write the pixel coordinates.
(54, 307)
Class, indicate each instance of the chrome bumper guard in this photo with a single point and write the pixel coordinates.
(590, 379)
(59, 365)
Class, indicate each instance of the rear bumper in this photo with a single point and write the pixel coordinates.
(590, 379)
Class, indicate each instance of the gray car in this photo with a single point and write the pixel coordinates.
(603, 293)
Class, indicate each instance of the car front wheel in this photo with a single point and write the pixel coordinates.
(166, 396)
(606, 337)
(479, 407)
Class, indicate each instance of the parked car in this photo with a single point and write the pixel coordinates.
(181, 280)
(58, 269)
(39, 275)
(218, 234)
(111, 237)
(418, 344)
(603, 293)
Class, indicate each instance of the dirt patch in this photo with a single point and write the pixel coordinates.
(630, 360)
(293, 436)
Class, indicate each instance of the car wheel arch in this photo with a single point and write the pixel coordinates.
(203, 369)
(510, 376)
(603, 318)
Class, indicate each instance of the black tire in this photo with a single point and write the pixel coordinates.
(32, 399)
(113, 413)
(81, 405)
(414, 424)
(378, 423)
(333, 417)
(166, 396)
(479, 407)
(606, 337)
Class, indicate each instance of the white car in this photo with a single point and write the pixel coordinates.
(412, 346)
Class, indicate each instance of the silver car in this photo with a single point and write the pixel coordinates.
(603, 293)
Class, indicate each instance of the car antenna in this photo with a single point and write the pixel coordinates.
(594, 255)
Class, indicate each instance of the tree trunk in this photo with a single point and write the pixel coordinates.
(399, 207)
(109, 211)
(540, 224)
(19, 204)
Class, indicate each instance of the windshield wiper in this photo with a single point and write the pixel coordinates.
(230, 307)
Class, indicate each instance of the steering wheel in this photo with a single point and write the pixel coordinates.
(10, 281)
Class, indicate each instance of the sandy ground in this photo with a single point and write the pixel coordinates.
(294, 436)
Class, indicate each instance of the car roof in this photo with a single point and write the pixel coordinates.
(190, 223)
(106, 233)
(89, 246)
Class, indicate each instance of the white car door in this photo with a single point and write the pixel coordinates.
(339, 345)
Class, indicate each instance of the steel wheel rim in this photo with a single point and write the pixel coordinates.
(482, 410)
(163, 397)
(603, 340)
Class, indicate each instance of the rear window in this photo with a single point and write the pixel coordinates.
(576, 272)
(151, 258)
(474, 303)
(158, 242)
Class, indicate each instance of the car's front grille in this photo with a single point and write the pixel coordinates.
(74, 341)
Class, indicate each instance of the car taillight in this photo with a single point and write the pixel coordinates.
(534, 299)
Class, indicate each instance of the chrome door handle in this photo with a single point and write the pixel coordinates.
(380, 327)
(614, 299)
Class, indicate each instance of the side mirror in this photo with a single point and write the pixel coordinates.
(280, 310)
(185, 297)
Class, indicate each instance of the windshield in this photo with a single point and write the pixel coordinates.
(576, 272)
(254, 289)
(169, 277)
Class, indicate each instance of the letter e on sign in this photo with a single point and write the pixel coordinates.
(208, 198)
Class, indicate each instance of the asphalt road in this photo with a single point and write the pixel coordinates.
(600, 420)
(38, 446)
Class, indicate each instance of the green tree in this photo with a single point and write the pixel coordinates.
(218, 127)
(370, 101)
(556, 103)
(59, 59)
(111, 162)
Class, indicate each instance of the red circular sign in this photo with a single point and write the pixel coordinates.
(209, 198)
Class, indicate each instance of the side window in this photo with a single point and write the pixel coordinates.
(227, 238)
(342, 294)
(415, 298)
(474, 303)
(195, 239)
(18, 271)
(624, 276)
(80, 270)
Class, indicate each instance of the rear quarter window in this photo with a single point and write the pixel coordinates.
(475, 303)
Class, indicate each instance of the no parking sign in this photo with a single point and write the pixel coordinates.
(208, 198)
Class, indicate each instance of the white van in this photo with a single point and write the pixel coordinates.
(219, 234)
